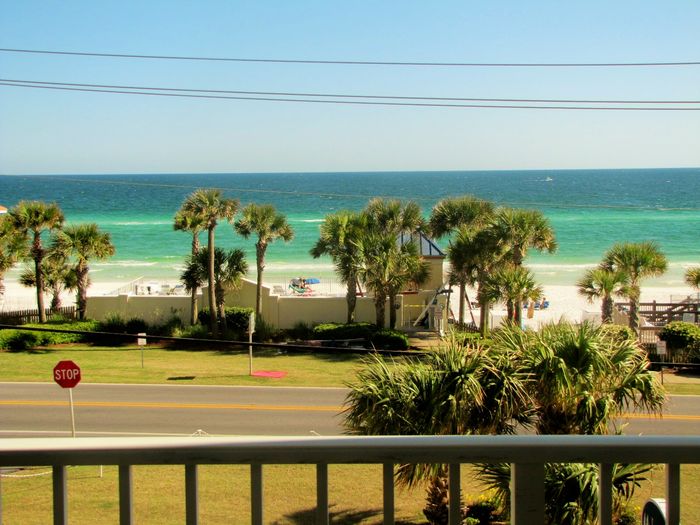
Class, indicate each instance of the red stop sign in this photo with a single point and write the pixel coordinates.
(66, 374)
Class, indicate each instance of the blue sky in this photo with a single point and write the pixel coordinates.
(45, 131)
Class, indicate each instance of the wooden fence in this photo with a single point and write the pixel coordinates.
(18, 317)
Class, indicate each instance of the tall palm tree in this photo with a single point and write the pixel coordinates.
(638, 261)
(512, 285)
(210, 206)
(520, 230)
(339, 237)
(467, 214)
(189, 222)
(601, 283)
(474, 255)
(28, 220)
(229, 269)
(268, 225)
(83, 242)
(457, 212)
(692, 277)
(388, 262)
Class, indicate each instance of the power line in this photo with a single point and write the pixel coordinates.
(356, 62)
(342, 95)
(351, 102)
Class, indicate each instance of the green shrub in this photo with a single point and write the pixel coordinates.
(265, 332)
(236, 318)
(344, 331)
(19, 340)
(484, 510)
(136, 326)
(300, 330)
(619, 332)
(387, 339)
(680, 335)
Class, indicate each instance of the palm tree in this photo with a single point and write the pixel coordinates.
(474, 255)
(456, 212)
(692, 277)
(454, 390)
(468, 215)
(229, 269)
(388, 262)
(210, 206)
(263, 220)
(58, 276)
(638, 261)
(601, 283)
(84, 242)
(339, 238)
(12, 249)
(28, 220)
(512, 285)
(194, 224)
(520, 230)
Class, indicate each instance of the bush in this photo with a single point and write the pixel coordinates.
(344, 331)
(300, 330)
(619, 332)
(236, 318)
(18, 340)
(680, 335)
(484, 510)
(387, 339)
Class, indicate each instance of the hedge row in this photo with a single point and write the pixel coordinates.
(384, 338)
(682, 337)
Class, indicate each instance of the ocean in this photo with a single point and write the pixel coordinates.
(588, 209)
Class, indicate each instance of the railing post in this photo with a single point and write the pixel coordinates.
(388, 482)
(126, 506)
(527, 493)
(60, 495)
(322, 494)
(605, 502)
(455, 514)
(191, 496)
(256, 494)
(673, 494)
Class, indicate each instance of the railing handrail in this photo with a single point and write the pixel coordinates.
(349, 449)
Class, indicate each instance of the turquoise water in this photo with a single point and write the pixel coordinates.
(589, 210)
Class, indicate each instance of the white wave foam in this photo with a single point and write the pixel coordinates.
(140, 223)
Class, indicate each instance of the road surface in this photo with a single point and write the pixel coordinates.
(41, 409)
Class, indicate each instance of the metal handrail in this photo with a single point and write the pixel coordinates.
(526, 454)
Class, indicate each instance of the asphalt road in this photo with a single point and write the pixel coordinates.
(42, 409)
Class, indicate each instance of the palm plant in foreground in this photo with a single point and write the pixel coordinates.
(512, 285)
(83, 242)
(268, 225)
(209, 206)
(193, 223)
(28, 220)
(601, 283)
(637, 261)
(229, 269)
(12, 250)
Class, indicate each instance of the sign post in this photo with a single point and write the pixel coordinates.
(251, 330)
(67, 375)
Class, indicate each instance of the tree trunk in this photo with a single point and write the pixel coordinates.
(392, 310)
(38, 255)
(193, 307)
(484, 317)
(221, 308)
(634, 294)
(260, 263)
(213, 324)
(351, 298)
(462, 301)
(607, 310)
(82, 292)
(55, 298)
(379, 307)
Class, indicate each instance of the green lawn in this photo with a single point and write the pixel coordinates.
(225, 490)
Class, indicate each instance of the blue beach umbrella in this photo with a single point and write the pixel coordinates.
(312, 280)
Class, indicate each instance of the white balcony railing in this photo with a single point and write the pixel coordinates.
(526, 454)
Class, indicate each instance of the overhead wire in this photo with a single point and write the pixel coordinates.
(356, 62)
(349, 102)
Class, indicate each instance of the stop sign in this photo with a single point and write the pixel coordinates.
(66, 374)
